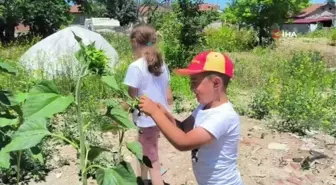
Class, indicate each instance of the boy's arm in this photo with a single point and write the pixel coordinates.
(185, 126)
(180, 140)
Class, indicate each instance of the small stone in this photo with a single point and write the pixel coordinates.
(294, 180)
(280, 181)
(190, 182)
(311, 178)
(288, 170)
(247, 141)
(257, 128)
(307, 147)
(294, 135)
(296, 166)
(58, 175)
(189, 169)
(278, 146)
(56, 158)
(298, 159)
(128, 159)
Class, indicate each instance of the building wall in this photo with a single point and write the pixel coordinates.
(297, 28)
(325, 11)
(79, 19)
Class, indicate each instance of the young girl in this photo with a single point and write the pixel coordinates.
(148, 75)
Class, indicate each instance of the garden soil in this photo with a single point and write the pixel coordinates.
(265, 158)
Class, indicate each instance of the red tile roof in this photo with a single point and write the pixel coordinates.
(75, 9)
(304, 21)
(206, 7)
(21, 28)
(310, 9)
(144, 10)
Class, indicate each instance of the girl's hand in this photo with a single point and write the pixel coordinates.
(147, 106)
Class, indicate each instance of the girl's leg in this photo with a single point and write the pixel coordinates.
(149, 140)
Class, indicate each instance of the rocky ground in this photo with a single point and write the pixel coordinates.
(265, 158)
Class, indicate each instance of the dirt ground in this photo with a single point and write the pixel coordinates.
(265, 158)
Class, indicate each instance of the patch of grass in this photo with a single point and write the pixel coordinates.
(321, 33)
(300, 92)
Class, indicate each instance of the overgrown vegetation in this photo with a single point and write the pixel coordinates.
(28, 115)
(292, 90)
(300, 94)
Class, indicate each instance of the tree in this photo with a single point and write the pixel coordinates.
(45, 17)
(10, 15)
(182, 32)
(91, 7)
(124, 11)
(262, 15)
(330, 1)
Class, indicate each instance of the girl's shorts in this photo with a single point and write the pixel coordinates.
(148, 137)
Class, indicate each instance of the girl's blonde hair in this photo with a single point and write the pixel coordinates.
(145, 35)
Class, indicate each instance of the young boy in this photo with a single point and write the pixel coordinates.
(212, 130)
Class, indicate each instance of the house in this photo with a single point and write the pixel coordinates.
(308, 20)
(209, 7)
(21, 29)
(144, 11)
(79, 17)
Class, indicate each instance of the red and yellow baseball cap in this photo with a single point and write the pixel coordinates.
(209, 61)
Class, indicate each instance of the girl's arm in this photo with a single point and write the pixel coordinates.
(169, 96)
(132, 92)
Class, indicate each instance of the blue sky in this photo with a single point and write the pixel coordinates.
(222, 3)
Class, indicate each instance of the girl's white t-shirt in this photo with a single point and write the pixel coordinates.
(154, 87)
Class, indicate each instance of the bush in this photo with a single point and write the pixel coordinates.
(332, 38)
(182, 33)
(230, 39)
(300, 93)
(321, 33)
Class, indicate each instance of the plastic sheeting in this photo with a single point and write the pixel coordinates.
(55, 54)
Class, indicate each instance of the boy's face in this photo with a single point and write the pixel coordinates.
(205, 88)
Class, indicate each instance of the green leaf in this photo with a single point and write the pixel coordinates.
(136, 148)
(121, 117)
(7, 122)
(95, 152)
(107, 177)
(45, 105)
(124, 169)
(18, 98)
(110, 81)
(78, 39)
(147, 161)
(4, 67)
(4, 159)
(112, 103)
(45, 87)
(4, 97)
(36, 153)
(120, 175)
(29, 134)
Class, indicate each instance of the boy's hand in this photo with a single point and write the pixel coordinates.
(147, 106)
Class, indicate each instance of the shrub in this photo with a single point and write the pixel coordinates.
(300, 93)
(332, 38)
(181, 33)
(321, 33)
(230, 39)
